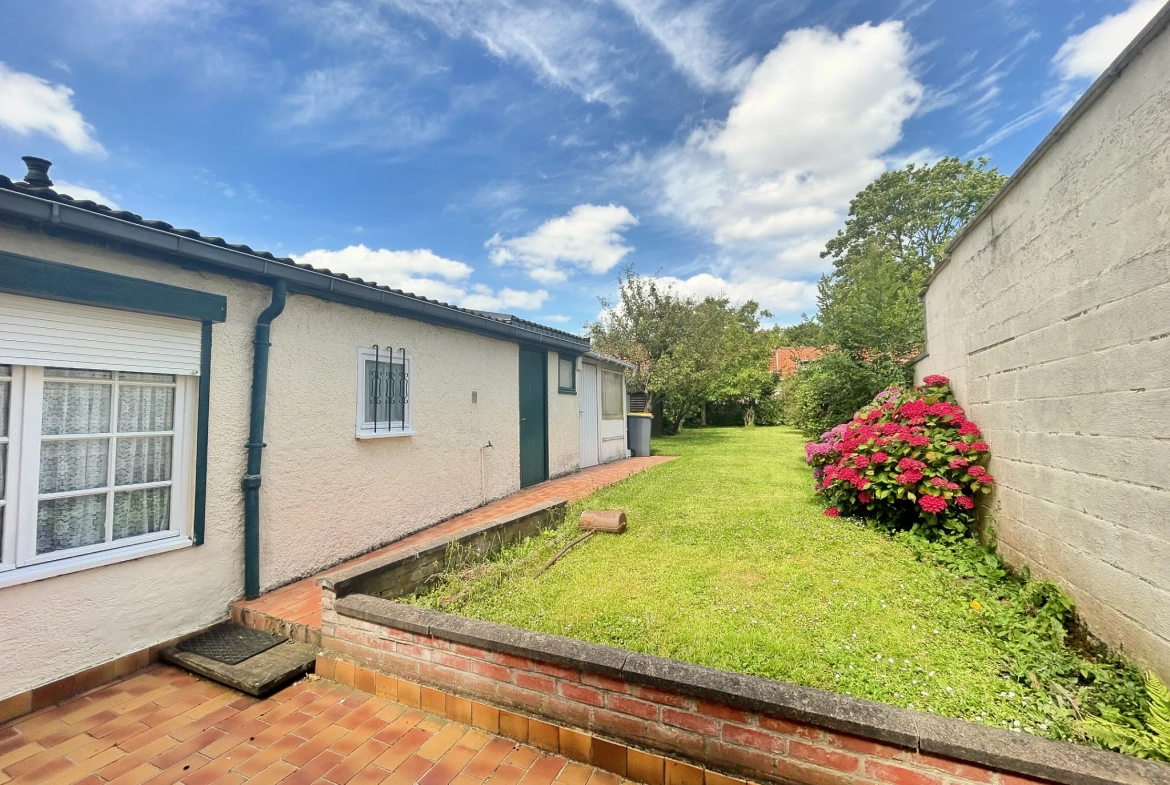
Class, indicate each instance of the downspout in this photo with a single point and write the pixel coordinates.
(256, 444)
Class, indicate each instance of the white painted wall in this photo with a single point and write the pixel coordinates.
(326, 495)
(59, 626)
(1052, 320)
(564, 444)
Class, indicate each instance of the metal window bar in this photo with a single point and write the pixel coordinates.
(401, 384)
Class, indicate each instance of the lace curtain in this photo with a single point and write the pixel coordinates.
(385, 392)
(83, 404)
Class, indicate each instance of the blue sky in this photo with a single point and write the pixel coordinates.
(514, 155)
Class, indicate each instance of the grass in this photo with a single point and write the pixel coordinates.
(729, 562)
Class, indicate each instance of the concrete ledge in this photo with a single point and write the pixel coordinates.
(915, 731)
(403, 571)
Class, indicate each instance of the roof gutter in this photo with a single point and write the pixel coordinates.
(312, 282)
(1151, 31)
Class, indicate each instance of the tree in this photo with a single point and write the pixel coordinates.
(870, 316)
(807, 333)
(686, 352)
(914, 212)
(871, 308)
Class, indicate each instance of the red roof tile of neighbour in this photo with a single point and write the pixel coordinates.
(787, 359)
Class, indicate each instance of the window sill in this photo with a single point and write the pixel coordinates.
(37, 572)
(566, 391)
(363, 435)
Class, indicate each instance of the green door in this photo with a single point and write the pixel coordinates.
(533, 417)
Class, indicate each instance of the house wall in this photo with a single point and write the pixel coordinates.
(564, 423)
(60, 626)
(1052, 320)
(326, 496)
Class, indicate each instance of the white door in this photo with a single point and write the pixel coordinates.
(590, 411)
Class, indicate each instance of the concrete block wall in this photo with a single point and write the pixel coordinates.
(1052, 319)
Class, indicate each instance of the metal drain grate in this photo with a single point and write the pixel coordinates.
(231, 644)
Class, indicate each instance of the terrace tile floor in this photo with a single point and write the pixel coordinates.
(164, 726)
(295, 608)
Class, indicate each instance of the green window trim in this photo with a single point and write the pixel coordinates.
(30, 277)
(561, 388)
(23, 275)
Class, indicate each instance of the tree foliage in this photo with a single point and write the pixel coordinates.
(870, 308)
(914, 212)
(687, 351)
(869, 313)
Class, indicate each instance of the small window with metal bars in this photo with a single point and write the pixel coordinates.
(384, 407)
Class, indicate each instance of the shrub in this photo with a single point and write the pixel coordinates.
(830, 390)
(908, 459)
(1148, 738)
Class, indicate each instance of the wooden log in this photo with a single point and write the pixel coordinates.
(612, 521)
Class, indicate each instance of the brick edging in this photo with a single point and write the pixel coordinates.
(525, 668)
(623, 760)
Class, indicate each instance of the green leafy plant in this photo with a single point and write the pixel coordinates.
(1033, 625)
(1148, 738)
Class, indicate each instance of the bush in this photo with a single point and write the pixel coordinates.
(830, 390)
(908, 459)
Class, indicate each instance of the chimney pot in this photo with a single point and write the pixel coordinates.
(38, 171)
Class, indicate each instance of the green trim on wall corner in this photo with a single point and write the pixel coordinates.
(24, 275)
(204, 409)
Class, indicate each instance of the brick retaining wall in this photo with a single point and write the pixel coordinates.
(641, 705)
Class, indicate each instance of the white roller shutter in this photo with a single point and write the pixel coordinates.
(65, 335)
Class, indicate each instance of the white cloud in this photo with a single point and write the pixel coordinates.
(811, 127)
(558, 318)
(81, 193)
(687, 37)
(33, 105)
(424, 273)
(1089, 53)
(387, 267)
(484, 299)
(774, 294)
(589, 237)
(559, 42)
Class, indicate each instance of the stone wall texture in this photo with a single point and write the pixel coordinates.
(1052, 319)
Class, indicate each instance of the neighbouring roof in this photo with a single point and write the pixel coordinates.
(787, 359)
(1155, 28)
(38, 204)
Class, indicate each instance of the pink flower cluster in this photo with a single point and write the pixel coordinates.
(909, 455)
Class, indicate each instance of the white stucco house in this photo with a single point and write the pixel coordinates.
(184, 421)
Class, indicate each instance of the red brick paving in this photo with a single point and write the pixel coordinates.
(298, 605)
(164, 726)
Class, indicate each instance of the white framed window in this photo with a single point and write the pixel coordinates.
(613, 403)
(95, 466)
(384, 402)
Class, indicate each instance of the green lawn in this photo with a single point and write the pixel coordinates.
(728, 562)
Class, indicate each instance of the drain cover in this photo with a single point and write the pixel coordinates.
(231, 644)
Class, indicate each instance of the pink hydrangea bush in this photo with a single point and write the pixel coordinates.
(909, 459)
